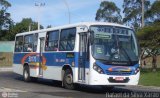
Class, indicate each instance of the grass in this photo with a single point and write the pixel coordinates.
(150, 78)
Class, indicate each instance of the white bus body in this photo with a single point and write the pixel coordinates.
(79, 53)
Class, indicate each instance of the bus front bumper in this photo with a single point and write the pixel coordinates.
(103, 79)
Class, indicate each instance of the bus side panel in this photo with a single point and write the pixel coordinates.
(55, 62)
(34, 72)
(52, 72)
(32, 59)
(18, 68)
(52, 64)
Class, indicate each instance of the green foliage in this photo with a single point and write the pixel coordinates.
(5, 20)
(154, 12)
(109, 12)
(132, 11)
(20, 27)
(149, 36)
(8, 29)
(5, 4)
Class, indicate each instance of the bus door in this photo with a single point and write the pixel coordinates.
(40, 56)
(83, 40)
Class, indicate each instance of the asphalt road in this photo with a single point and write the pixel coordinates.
(14, 86)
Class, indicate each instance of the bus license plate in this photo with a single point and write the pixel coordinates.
(119, 78)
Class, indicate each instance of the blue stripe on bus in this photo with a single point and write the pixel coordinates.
(60, 58)
(52, 59)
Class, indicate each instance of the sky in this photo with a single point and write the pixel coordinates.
(55, 12)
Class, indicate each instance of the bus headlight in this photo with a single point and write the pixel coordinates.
(136, 70)
(98, 69)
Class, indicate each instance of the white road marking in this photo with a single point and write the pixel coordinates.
(3, 89)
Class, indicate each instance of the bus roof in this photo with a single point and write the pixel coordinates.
(73, 25)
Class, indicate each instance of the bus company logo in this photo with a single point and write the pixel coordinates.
(119, 69)
(4, 94)
(26, 56)
(31, 57)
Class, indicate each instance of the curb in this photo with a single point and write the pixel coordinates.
(154, 87)
(5, 69)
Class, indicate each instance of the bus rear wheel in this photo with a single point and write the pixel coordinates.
(68, 79)
(26, 74)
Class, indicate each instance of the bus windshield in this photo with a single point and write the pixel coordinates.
(114, 45)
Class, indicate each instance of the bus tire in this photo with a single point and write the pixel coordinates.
(68, 79)
(26, 74)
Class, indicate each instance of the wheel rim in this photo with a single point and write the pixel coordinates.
(25, 74)
(69, 79)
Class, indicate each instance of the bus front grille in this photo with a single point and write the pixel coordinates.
(118, 72)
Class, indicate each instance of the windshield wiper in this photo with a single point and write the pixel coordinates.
(101, 59)
(130, 61)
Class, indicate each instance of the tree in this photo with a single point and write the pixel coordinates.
(109, 12)
(4, 16)
(20, 27)
(149, 38)
(133, 12)
(5, 20)
(49, 26)
(153, 14)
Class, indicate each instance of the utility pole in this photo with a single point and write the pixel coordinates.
(39, 5)
(143, 24)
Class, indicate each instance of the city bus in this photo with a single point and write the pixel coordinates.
(89, 53)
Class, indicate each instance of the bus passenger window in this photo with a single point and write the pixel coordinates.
(28, 43)
(35, 42)
(52, 41)
(67, 39)
(19, 44)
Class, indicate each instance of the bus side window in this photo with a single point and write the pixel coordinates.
(19, 44)
(67, 39)
(35, 42)
(52, 41)
(28, 43)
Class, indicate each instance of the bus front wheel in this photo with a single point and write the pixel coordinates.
(26, 74)
(68, 79)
